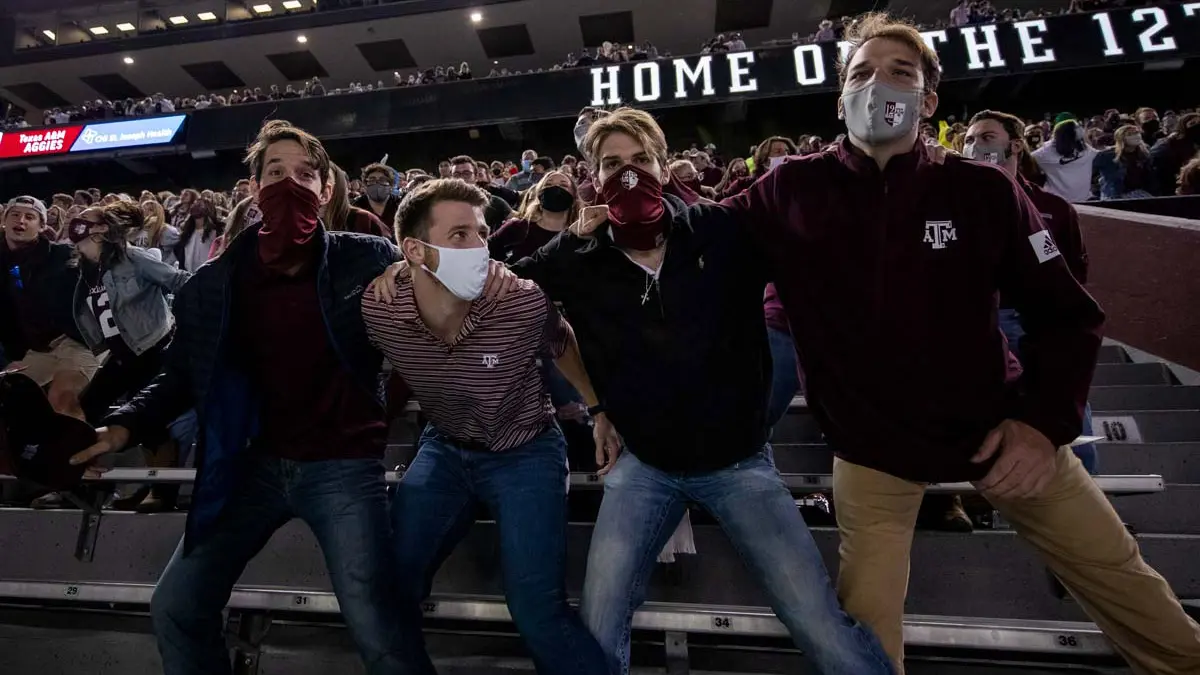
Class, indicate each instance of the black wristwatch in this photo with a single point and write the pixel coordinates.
(597, 409)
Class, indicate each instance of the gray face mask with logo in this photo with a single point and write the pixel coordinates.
(996, 153)
(877, 114)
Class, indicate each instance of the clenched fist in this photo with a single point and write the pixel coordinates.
(590, 218)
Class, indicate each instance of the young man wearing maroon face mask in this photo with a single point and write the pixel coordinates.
(669, 318)
(271, 351)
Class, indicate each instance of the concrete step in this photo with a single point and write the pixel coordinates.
(1112, 354)
(1133, 426)
(985, 574)
(1110, 374)
(1175, 462)
(1144, 397)
(1175, 510)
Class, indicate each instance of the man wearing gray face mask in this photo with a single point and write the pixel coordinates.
(888, 265)
(379, 181)
(995, 138)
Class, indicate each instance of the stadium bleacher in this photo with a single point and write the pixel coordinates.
(975, 599)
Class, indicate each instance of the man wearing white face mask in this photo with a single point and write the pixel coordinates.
(472, 364)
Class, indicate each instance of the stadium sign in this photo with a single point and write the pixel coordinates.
(1068, 41)
(34, 142)
(82, 138)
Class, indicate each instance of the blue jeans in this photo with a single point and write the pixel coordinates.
(345, 504)
(525, 489)
(785, 379)
(1010, 324)
(641, 508)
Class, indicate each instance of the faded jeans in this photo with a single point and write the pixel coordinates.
(643, 505)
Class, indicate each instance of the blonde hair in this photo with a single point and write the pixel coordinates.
(155, 222)
(530, 208)
(632, 122)
(1122, 133)
(882, 25)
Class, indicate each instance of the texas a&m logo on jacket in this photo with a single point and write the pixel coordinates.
(938, 232)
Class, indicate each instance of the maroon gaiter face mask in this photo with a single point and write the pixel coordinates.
(635, 208)
(291, 216)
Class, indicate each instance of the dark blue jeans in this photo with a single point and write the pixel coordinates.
(1010, 324)
(525, 489)
(785, 377)
(345, 504)
(642, 506)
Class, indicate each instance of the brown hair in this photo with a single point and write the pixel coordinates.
(412, 218)
(761, 161)
(882, 25)
(630, 121)
(461, 159)
(337, 209)
(1189, 178)
(275, 131)
(236, 223)
(378, 167)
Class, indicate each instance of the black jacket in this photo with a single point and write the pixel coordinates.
(685, 374)
(52, 279)
(197, 371)
(389, 209)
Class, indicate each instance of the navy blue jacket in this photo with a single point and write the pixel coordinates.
(53, 280)
(197, 373)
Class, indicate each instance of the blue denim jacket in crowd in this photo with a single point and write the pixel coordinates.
(137, 287)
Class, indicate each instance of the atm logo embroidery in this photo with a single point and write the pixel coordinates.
(938, 233)
(491, 360)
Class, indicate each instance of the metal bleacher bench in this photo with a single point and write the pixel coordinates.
(676, 620)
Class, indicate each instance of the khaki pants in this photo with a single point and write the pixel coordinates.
(1071, 524)
(65, 355)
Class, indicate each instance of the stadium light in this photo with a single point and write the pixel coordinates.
(476, 17)
(301, 39)
(125, 27)
(128, 60)
(50, 35)
(99, 30)
(178, 20)
(292, 4)
(262, 9)
(206, 16)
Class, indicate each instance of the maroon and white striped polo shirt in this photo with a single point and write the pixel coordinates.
(485, 387)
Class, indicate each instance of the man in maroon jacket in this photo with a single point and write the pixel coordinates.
(996, 138)
(889, 266)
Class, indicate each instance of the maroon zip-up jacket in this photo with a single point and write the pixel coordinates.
(891, 278)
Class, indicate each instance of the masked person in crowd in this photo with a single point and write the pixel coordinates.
(525, 178)
(906, 369)
(492, 438)
(735, 173)
(1127, 170)
(483, 181)
(1147, 120)
(197, 235)
(37, 325)
(379, 183)
(677, 348)
(1068, 162)
(549, 209)
(685, 174)
(271, 351)
(1169, 154)
(710, 175)
(994, 138)
(769, 154)
(338, 214)
(121, 307)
